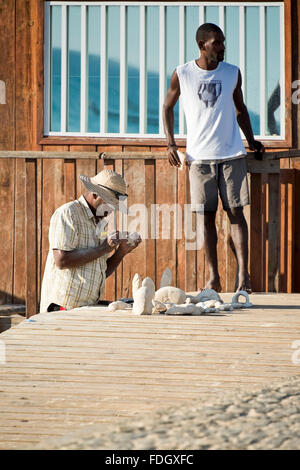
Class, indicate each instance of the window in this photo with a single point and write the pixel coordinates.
(108, 64)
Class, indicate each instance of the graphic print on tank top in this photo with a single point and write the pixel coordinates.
(209, 92)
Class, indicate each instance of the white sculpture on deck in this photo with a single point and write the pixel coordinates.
(235, 300)
(170, 294)
(136, 283)
(171, 300)
(142, 299)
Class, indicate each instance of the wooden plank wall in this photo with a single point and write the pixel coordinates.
(149, 182)
(29, 198)
(274, 227)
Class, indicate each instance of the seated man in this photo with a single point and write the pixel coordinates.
(78, 261)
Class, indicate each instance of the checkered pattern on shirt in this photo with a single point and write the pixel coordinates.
(73, 226)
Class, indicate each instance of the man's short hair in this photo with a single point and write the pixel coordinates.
(204, 31)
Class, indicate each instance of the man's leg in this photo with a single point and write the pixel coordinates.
(210, 248)
(204, 192)
(239, 235)
(234, 192)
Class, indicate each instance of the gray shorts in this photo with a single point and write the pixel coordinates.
(228, 177)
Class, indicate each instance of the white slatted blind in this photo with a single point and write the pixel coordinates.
(58, 92)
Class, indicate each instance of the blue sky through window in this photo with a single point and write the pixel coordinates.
(251, 76)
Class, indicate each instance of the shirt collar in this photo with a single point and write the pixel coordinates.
(86, 207)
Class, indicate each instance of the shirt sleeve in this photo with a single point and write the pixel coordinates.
(63, 233)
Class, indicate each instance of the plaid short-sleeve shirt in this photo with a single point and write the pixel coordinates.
(73, 226)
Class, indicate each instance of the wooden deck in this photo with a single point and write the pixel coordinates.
(71, 369)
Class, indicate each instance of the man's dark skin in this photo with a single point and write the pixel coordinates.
(79, 257)
(212, 52)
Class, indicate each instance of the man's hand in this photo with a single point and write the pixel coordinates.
(112, 241)
(128, 244)
(173, 157)
(258, 149)
(123, 249)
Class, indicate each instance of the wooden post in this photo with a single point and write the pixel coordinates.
(256, 252)
(264, 230)
(31, 238)
(150, 243)
(287, 225)
(273, 233)
(7, 74)
(296, 287)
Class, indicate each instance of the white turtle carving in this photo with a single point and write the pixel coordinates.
(206, 294)
(170, 294)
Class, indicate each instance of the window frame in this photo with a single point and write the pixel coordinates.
(111, 139)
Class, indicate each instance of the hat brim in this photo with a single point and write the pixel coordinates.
(104, 193)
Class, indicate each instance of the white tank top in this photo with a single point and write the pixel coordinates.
(212, 129)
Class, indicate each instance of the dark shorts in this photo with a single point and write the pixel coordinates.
(228, 178)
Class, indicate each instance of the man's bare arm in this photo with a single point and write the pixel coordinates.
(76, 258)
(243, 118)
(168, 118)
(81, 256)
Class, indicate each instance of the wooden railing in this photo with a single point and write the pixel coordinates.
(34, 184)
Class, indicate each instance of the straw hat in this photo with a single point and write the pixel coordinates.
(110, 186)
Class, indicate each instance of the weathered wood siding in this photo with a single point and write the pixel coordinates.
(33, 188)
(274, 227)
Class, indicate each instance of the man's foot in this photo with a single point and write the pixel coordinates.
(213, 284)
(245, 284)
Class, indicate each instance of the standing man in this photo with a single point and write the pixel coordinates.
(81, 254)
(213, 103)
